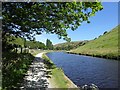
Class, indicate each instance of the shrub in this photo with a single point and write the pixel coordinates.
(14, 68)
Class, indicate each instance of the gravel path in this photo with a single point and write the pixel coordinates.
(36, 75)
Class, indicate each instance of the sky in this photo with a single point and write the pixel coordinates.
(104, 20)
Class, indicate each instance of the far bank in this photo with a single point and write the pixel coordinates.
(105, 46)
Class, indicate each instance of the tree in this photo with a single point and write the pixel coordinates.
(105, 32)
(35, 45)
(24, 19)
(49, 44)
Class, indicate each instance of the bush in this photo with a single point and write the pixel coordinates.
(105, 32)
(14, 68)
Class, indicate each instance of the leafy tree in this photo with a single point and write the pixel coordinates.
(30, 18)
(95, 38)
(49, 44)
(105, 32)
(35, 45)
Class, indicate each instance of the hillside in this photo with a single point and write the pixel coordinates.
(69, 45)
(29, 44)
(104, 46)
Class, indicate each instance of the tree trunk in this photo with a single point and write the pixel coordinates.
(21, 49)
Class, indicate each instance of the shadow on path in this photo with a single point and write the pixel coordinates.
(36, 76)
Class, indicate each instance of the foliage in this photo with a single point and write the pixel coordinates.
(14, 68)
(104, 46)
(24, 20)
(30, 18)
(35, 45)
(49, 44)
(105, 32)
(21, 42)
(95, 38)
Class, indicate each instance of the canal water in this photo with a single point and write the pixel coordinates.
(87, 70)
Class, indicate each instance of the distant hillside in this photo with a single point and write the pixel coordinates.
(29, 44)
(104, 46)
(69, 45)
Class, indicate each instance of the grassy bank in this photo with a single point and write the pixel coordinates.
(58, 78)
(105, 46)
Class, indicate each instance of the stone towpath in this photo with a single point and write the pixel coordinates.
(36, 75)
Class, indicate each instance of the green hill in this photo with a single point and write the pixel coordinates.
(105, 45)
(29, 44)
(69, 45)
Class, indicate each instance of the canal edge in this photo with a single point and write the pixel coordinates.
(70, 85)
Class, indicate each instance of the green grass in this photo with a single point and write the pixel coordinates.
(104, 46)
(69, 45)
(58, 78)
